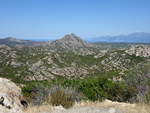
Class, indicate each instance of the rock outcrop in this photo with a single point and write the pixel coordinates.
(10, 97)
(139, 50)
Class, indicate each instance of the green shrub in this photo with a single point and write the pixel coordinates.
(101, 87)
(93, 89)
(121, 92)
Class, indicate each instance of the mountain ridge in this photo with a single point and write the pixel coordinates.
(137, 37)
(72, 41)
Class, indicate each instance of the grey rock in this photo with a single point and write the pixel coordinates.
(10, 95)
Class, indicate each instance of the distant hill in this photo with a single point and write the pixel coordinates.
(138, 37)
(11, 41)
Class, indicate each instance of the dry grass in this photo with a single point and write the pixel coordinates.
(125, 107)
(61, 96)
(39, 109)
(139, 108)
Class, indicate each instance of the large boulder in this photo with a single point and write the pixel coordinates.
(10, 97)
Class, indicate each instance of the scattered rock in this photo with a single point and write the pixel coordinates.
(139, 50)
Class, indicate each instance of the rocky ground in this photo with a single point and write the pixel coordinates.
(139, 50)
(91, 107)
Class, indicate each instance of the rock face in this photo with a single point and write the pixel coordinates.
(139, 50)
(10, 96)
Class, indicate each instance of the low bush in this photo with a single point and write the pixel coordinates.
(121, 92)
(62, 96)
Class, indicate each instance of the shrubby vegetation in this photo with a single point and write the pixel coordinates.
(135, 87)
(96, 88)
(100, 88)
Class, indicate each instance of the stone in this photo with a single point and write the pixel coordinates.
(10, 97)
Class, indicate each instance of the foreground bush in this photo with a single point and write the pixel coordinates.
(61, 96)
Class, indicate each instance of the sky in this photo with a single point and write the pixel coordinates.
(50, 19)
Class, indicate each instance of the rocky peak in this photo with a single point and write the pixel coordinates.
(69, 41)
(71, 37)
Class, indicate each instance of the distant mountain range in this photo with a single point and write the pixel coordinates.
(69, 41)
(138, 37)
(73, 41)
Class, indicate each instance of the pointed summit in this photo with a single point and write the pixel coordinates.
(69, 41)
(73, 38)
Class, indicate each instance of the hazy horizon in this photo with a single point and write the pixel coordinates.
(135, 37)
(85, 38)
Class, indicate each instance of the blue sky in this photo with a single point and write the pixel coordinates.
(87, 18)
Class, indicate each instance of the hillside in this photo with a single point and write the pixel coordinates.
(69, 57)
(80, 70)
